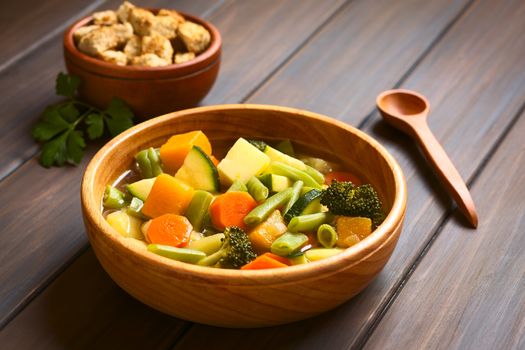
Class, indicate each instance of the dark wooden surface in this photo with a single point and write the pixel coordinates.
(446, 286)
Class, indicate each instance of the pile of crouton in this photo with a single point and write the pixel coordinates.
(135, 36)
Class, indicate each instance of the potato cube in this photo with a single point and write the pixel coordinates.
(181, 57)
(124, 10)
(195, 37)
(149, 60)
(158, 45)
(105, 18)
(116, 57)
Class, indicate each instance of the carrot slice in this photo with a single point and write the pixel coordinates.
(214, 160)
(169, 229)
(167, 195)
(264, 261)
(341, 176)
(281, 259)
(173, 152)
(230, 208)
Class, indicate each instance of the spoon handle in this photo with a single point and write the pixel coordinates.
(446, 171)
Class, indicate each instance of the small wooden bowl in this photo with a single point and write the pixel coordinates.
(149, 91)
(234, 298)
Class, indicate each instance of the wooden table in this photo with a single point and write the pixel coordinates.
(446, 286)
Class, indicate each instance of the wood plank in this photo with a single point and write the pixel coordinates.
(474, 73)
(60, 234)
(99, 315)
(28, 87)
(45, 18)
(469, 290)
(61, 243)
(241, 70)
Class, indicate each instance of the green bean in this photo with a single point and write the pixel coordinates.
(180, 254)
(238, 186)
(198, 209)
(327, 236)
(263, 210)
(321, 253)
(315, 174)
(296, 192)
(294, 174)
(113, 198)
(135, 207)
(288, 243)
(308, 223)
(149, 163)
(258, 191)
(208, 245)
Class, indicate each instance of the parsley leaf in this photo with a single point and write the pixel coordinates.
(51, 124)
(95, 124)
(118, 117)
(62, 126)
(67, 85)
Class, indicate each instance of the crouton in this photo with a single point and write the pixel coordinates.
(97, 41)
(80, 32)
(165, 26)
(142, 20)
(133, 47)
(171, 13)
(181, 57)
(159, 45)
(124, 32)
(116, 57)
(195, 37)
(124, 11)
(149, 60)
(105, 18)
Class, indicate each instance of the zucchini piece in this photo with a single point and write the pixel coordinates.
(286, 147)
(198, 209)
(141, 188)
(275, 183)
(261, 145)
(198, 171)
(308, 203)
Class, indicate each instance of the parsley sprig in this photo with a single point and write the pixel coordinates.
(62, 126)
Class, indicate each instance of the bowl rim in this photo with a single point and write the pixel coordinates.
(95, 65)
(205, 275)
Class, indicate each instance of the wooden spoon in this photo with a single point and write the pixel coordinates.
(407, 111)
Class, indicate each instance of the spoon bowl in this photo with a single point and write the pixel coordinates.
(407, 111)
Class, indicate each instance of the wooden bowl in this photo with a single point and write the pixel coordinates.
(234, 298)
(149, 91)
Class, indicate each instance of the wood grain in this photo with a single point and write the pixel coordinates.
(59, 233)
(46, 20)
(28, 87)
(68, 237)
(469, 290)
(84, 309)
(472, 73)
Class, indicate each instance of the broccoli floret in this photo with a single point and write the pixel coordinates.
(261, 145)
(236, 250)
(345, 198)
